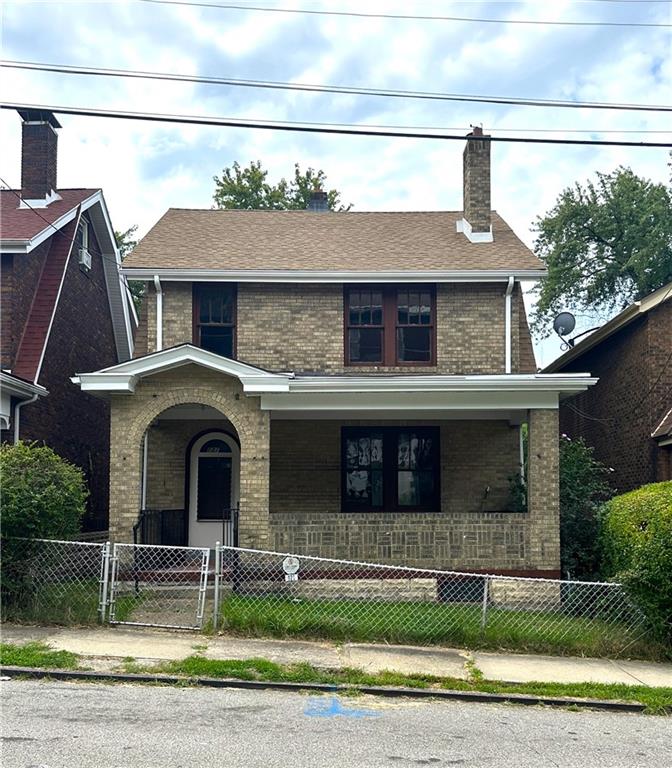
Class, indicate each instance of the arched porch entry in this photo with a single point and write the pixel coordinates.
(194, 453)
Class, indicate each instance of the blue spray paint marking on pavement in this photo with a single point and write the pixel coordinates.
(332, 707)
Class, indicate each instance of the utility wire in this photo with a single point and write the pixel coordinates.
(318, 88)
(353, 14)
(302, 128)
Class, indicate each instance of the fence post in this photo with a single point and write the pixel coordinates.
(218, 568)
(104, 580)
(484, 609)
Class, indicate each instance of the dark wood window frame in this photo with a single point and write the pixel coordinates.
(390, 324)
(390, 469)
(197, 290)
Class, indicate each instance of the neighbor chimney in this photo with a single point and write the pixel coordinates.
(477, 223)
(319, 201)
(38, 155)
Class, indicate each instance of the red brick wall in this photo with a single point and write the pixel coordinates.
(73, 423)
(619, 413)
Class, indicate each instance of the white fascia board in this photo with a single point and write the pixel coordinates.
(122, 378)
(406, 402)
(18, 388)
(331, 276)
(495, 383)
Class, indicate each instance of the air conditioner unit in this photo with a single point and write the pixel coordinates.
(84, 259)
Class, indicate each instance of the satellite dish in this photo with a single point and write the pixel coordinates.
(564, 323)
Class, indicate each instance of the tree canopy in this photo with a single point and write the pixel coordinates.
(126, 242)
(605, 245)
(248, 188)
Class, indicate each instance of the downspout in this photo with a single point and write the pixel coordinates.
(143, 504)
(159, 313)
(507, 325)
(17, 407)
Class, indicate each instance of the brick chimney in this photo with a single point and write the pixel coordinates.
(477, 222)
(319, 201)
(39, 151)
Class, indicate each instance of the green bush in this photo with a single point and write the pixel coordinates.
(42, 496)
(636, 541)
(584, 487)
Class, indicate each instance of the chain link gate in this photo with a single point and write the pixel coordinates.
(158, 586)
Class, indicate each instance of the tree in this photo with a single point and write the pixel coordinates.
(247, 188)
(126, 242)
(605, 245)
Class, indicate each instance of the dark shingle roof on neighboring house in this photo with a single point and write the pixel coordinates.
(24, 224)
(337, 241)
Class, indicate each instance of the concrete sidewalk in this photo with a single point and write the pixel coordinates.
(104, 647)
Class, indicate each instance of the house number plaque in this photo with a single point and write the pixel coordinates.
(290, 565)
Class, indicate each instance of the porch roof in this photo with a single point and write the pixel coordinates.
(289, 392)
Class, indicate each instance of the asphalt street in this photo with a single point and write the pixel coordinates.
(78, 725)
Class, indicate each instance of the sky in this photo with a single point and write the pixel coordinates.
(146, 168)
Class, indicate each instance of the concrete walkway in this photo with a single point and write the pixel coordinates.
(104, 648)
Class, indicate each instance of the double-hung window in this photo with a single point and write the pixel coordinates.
(390, 325)
(215, 317)
(390, 469)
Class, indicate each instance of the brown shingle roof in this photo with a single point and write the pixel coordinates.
(24, 224)
(305, 240)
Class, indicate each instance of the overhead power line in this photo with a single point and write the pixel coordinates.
(320, 88)
(302, 128)
(409, 17)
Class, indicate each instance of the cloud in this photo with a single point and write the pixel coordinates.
(144, 168)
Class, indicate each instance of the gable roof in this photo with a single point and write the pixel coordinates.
(25, 225)
(622, 319)
(22, 229)
(230, 240)
(663, 432)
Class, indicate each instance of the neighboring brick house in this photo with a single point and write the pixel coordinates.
(387, 369)
(64, 307)
(627, 416)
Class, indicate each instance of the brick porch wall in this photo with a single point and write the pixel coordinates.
(472, 532)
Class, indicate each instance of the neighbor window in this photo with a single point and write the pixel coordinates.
(215, 318)
(390, 469)
(390, 325)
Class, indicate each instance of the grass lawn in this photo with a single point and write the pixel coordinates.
(37, 655)
(434, 624)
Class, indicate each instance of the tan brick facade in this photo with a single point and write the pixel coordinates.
(300, 327)
(131, 416)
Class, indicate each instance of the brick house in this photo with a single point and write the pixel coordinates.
(627, 416)
(352, 383)
(64, 307)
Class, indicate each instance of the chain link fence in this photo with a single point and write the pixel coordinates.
(271, 593)
(53, 582)
(158, 586)
(262, 593)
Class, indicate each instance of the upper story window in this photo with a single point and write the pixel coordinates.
(390, 325)
(215, 318)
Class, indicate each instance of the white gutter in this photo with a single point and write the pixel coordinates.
(331, 276)
(143, 504)
(159, 313)
(507, 325)
(17, 408)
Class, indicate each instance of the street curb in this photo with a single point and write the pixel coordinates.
(413, 693)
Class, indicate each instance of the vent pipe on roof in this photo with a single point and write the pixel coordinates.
(39, 153)
(319, 201)
(477, 221)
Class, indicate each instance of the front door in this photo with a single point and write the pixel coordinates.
(213, 489)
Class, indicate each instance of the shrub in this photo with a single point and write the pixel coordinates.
(43, 496)
(636, 541)
(584, 487)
